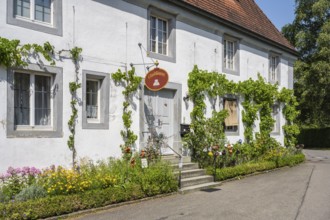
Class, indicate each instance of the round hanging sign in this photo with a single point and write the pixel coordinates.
(156, 79)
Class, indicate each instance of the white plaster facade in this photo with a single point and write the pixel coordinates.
(109, 33)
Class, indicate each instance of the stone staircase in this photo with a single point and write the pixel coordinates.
(192, 178)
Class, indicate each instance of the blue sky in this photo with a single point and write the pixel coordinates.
(280, 12)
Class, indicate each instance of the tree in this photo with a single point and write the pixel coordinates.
(310, 34)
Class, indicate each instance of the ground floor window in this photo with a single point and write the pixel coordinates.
(231, 122)
(276, 117)
(32, 100)
(35, 102)
(96, 94)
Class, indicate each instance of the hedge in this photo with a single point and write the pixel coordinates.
(315, 137)
(248, 168)
(59, 205)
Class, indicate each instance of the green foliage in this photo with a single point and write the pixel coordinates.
(59, 205)
(12, 54)
(310, 34)
(73, 87)
(258, 97)
(75, 54)
(131, 84)
(128, 181)
(290, 112)
(157, 179)
(315, 137)
(31, 192)
(249, 168)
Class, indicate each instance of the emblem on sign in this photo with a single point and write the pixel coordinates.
(156, 79)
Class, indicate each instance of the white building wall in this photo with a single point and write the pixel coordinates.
(106, 30)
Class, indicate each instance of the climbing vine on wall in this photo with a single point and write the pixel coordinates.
(258, 99)
(131, 83)
(14, 54)
(291, 130)
(74, 86)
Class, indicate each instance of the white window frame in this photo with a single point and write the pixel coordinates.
(234, 68)
(103, 79)
(95, 120)
(32, 14)
(274, 68)
(32, 103)
(276, 117)
(273, 63)
(170, 20)
(229, 62)
(157, 36)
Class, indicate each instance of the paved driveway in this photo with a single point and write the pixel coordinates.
(302, 192)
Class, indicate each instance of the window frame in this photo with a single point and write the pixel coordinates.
(277, 67)
(230, 97)
(103, 99)
(277, 124)
(56, 17)
(32, 101)
(54, 130)
(171, 34)
(236, 59)
(157, 35)
(94, 120)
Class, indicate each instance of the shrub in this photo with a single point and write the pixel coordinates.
(248, 168)
(63, 204)
(315, 137)
(31, 192)
(158, 178)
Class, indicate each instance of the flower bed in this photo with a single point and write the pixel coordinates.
(56, 190)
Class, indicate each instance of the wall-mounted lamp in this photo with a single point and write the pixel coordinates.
(186, 98)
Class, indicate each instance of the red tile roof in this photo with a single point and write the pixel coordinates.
(244, 13)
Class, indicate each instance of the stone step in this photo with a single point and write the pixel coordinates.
(175, 159)
(198, 187)
(186, 166)
(191, 173)
(191, 181)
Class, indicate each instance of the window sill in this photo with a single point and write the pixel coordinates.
(33, 128)
(231, 133)
(275, 133)
(232, 72)
(34, 134)
(95, 125)
(161, 57)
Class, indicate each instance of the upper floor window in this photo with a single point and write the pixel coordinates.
(229, 52)
(230, 55)
(274, 70)
(39, 15)
(161, 35)
(39, 10)
(158, 38)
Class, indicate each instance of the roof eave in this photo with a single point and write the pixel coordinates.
(238, 28)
